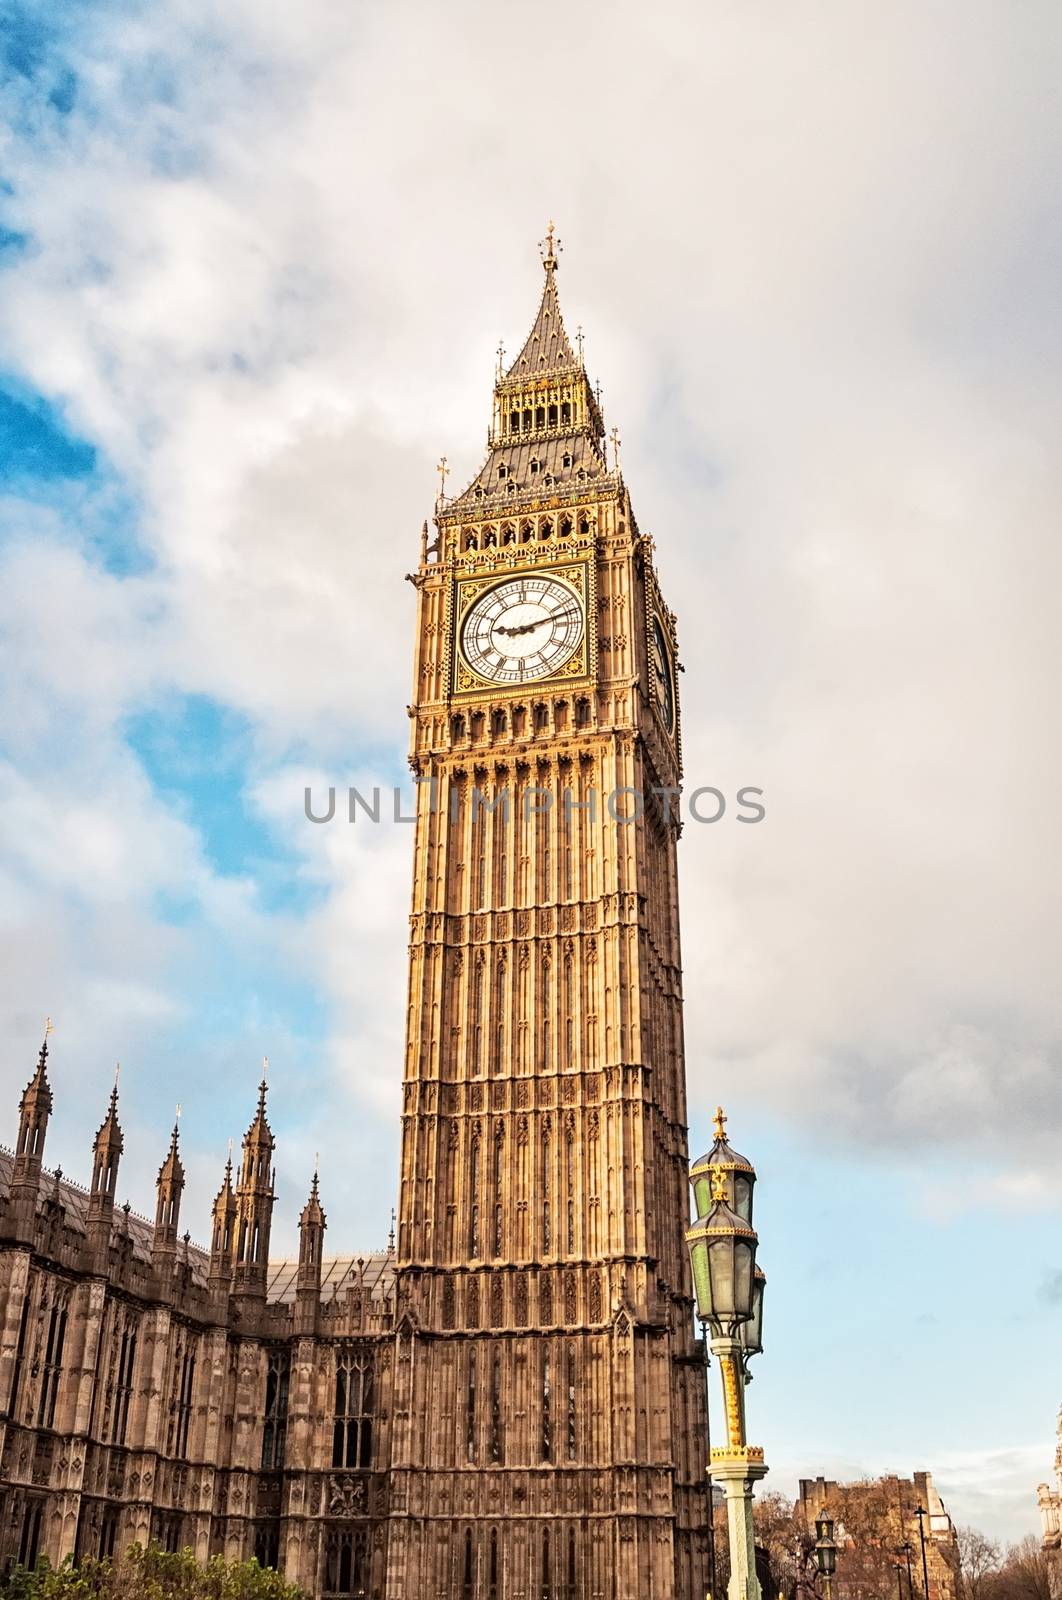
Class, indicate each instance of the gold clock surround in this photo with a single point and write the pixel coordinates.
(577, 575)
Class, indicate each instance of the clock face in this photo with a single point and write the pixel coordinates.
(523, 629)
(665, 681)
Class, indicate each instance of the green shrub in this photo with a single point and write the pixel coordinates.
(151, 1574)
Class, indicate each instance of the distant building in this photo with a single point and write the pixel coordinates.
(873, 1521)
(1051, 1515)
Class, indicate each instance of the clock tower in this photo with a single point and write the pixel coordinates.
(548, 1431)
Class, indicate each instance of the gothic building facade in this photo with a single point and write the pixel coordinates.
(509, 1402)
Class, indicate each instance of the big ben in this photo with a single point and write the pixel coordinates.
(548, 1434)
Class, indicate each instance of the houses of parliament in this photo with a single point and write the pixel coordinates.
(508, 1403)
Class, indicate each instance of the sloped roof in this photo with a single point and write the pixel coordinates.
(547, 347)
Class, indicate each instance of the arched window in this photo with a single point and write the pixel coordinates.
(352, 1420)
(276, 1412)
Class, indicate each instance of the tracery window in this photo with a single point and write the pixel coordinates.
(547, 1410)
(276, 1412)
(123, 1383)
(352, 1428)
(497, 1442)
(347, 1562)
(181, 1397)
(53, 1365)
(470, 1408)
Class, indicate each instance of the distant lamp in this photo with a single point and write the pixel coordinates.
(825, 1548)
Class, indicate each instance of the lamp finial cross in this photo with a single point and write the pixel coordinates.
(720, 1123)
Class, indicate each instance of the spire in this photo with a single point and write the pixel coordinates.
(312, 1224)
(107, 1148)
(170, 1187)
(35, 1108)
(223, 1222)
(254, 1200)
(547, 348)
(547, 430)
(312, 1215)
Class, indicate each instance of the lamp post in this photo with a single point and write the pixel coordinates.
(825, 1550)
(907, 1549)
(722, 1244)
(899, 1579)
(921, 1513)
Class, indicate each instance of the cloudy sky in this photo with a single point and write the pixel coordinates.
(254, 264)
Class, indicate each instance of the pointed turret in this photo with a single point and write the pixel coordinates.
(254, 1204)
(547, 429)
(169, 1188)
(107, 1148)
(223, 1230)
(34, 1110)
(312, 1224)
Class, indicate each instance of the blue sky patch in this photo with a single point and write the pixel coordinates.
(196, 753)
(34, 440)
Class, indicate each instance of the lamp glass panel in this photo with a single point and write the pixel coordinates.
(702, 1284)
(744, 1263)
(722, 1267)
(752, 1330)
(743, 1196)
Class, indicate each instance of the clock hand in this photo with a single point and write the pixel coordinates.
(529, 627)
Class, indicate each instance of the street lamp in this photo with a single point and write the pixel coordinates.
(899, 1579)
(825, 1549)
(722, 1244)
(907, 1549)
(921, 1513)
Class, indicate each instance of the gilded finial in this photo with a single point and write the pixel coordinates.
(579, 341)
(49, 1026)
(615, 437)
(549, 246)
(719, 1184)
(391, 1235)
(178, 1110)
(720, 1123)
(501, 358)
(444, 472)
